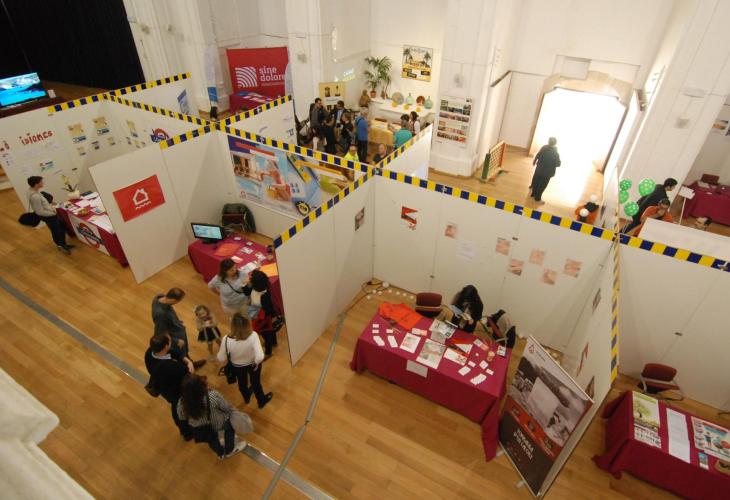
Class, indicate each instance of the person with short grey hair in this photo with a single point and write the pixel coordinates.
(546, 161)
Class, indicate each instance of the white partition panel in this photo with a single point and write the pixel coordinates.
(405, 256)
(415, 159)
(544, 304)
(155, 239)
(308, 283)
(174, 96)
(354, 246)
(467, 255)
(144, 128)
(275, 123)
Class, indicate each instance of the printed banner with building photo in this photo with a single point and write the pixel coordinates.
(453, 119)
(542, 409)
(417, 63)
(286, 182)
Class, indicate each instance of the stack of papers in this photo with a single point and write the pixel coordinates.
(102, 222)
(678, 435)
(478, 379)
(378, 340)
(410, 343)
(431, 353)
(442, 328)
(455, 356)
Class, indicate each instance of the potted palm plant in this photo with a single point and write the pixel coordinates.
(378, 73)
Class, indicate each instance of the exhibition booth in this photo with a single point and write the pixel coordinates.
(338, 224)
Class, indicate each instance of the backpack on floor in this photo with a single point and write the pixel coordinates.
(238, 214)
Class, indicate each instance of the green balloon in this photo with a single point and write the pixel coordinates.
(624, 185)
(646, 187)
(623, 196)
(631, 208)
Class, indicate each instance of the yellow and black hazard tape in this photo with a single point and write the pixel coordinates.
(257, 110)
(322, 209)
(397, 152)
(615, 303)
(292, 148)
(191, 134)
(147, 85)
(160, 111)
(75, 103)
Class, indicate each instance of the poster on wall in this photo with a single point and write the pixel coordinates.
(101, 126)
(542, 409)
(417, 63)
(77, 132)
(87, 233)
(139, 198)
(257, 70)
(330, 93)
(182, 101)
(453, 120)
(285, 182)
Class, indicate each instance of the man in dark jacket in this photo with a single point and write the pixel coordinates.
(650, 200)
(166, 320)
(546, 161)
(167, 367)
(317, 115)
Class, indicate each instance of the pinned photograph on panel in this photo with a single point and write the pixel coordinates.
(408, 217)
(719, 126)
(537, 256)
(502, 246)
(77, 132)
(452, 230)
(101, 126)
(515, 267)
(81, 150)
(359, 218)
(46, 165)
(95, 145)
(466, 249)
(596, 299)
(549, 276)
(111, 140)
(572, 268)
(132, 128)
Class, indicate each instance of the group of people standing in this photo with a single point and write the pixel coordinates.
(200, 412)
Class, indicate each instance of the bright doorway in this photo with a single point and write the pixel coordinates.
(585, 125)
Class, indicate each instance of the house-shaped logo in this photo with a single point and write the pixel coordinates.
(140, 198)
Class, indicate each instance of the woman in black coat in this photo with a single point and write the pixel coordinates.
(468, 301)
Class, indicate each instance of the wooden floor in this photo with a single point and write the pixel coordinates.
(368, 438)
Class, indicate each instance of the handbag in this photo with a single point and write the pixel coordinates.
(227, 369)
(30, 219)
(241, 422)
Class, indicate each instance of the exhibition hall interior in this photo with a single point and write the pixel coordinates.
(365, 249)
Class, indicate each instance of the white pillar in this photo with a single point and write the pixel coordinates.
(693, 89)
(303, 21)
(465, 73)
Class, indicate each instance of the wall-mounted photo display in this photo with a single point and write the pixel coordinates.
(417, 63)
(453, 119)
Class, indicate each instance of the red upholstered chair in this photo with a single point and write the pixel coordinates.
(710, 179)
(428, 304)
(657, 378)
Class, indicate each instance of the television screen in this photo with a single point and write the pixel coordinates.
(20, 88)
(207, 232)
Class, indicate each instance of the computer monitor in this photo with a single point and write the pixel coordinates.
(209, 233)
(20, 89)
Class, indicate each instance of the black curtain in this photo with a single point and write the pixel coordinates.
(84, 42)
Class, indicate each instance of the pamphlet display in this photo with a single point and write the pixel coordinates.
(712, 439)
(543, 407)
(453, 120)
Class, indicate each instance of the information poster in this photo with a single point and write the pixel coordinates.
(330, 93)
(417, 63)
(542, 409)
(711, 438)
(453, 119)
(285, 182)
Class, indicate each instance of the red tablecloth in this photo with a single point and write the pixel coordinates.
(624, 453)
(710, 202)
(444, 385)
(110, 240)
(206, 262)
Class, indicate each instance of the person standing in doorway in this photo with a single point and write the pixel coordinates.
(166, 320)
(42, 207)
(362, 128)
(546, 161)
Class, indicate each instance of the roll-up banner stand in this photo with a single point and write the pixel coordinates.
(543, 407)
(261, 71)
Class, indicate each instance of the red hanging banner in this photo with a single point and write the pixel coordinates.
(258, 70)
(139, 198)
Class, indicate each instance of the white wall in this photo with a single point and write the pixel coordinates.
(654, 306)
(409, 22)
(275, 123)
(415, 159)
(492, 125)
(145, 122)
(521, 110)
(714, 157)
(155, 239)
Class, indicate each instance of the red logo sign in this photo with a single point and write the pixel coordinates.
(258, 70)
(139, 198)
(88, 234)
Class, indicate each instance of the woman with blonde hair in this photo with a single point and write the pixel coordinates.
(242, 347)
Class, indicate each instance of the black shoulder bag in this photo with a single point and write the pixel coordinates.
(227, 370)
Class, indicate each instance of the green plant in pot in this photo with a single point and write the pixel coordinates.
(378, 73)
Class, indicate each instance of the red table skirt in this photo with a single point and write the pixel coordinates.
(457, 395)
(625, 454)
(709, 203)
(111, 241)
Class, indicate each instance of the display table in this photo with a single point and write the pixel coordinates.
(444, 385)
(244, 101)
(624, 453)
(710, 202)
(383, 108)
(206, 259)
(86, 219)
